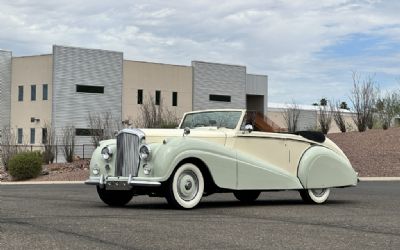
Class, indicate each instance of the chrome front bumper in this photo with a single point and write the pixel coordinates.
(121, 181)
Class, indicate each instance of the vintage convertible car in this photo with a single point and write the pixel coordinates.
(217, 151)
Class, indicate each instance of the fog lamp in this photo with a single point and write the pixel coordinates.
(96, 171)
(146, 169)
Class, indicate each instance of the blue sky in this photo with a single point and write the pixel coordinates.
(308, 48)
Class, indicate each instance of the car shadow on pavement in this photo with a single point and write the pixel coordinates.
(233, 204)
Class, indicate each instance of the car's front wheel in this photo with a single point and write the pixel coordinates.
(317, 196)
(246, 196)
(186, 186)
(114, 198)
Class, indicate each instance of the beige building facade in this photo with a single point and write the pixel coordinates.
(143, 81)
(31, 98)
(63, 88)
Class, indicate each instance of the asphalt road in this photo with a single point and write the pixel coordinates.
(73, 217)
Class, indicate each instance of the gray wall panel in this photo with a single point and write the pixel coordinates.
(5, 88)
(218, 79)
(258, 85)
(77, 66)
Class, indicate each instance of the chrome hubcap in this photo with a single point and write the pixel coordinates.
(318, 192)
(188, 185)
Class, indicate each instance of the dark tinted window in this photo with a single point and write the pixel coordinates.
(87, 132)
(32, 136)
(20, 136)
(33, 92)
(174, 98)
(220, 98)
(158, 97)
(20, 93)
(44, 135)
(90, 89)
(45, 92)
(140, 96)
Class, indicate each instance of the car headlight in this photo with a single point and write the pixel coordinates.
(106, 152)
(144, 152)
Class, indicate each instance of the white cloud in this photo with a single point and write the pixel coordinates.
(287, 40)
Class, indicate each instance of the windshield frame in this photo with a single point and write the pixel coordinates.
(237, 127)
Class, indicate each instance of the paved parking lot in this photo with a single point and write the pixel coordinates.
(72, 217)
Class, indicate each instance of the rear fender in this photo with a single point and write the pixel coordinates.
(321, 167)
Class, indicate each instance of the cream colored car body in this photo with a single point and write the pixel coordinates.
(236, 159)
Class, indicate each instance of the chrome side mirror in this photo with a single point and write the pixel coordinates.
(186, 131)
(248, 128)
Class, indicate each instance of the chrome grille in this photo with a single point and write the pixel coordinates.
(127, 154)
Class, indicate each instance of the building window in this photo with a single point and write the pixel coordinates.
(33, 92)
(220, 98)
(32, 136)
(140, 96)
(44, 135)
(90, 89)
(45, 92)
(158, 97)
(174, 98)
(87, 132)
(20, 136)
(20, 93)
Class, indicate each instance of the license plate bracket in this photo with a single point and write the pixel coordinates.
(118, 185)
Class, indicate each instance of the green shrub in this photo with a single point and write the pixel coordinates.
(25, 165)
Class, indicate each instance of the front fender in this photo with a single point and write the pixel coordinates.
(321, 167)
(221, 161)
(98, 162)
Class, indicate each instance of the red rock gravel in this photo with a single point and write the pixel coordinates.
(76, 171)
(374, 153)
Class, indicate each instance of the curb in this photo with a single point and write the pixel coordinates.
(379, 178)
(40, 182)
(82, 182)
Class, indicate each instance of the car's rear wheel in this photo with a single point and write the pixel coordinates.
(246, 196)
(186, 186)
(317, 195)
(114, 198)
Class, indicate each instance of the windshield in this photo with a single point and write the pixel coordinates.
(225, 119)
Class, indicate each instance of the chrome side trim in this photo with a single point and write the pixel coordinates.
(145, 183)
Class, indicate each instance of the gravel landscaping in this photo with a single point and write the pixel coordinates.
(374, 153)
(76, 171)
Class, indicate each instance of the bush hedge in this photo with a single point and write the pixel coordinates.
(25, 165)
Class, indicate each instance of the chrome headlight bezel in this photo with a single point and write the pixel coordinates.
(144, 152)
(107, 153)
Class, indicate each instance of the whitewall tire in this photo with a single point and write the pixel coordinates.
(316, 196)
(186, 187)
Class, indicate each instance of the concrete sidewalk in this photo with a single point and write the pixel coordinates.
(39, 182)
(82, 182)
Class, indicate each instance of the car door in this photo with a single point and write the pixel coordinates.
(264, 161)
